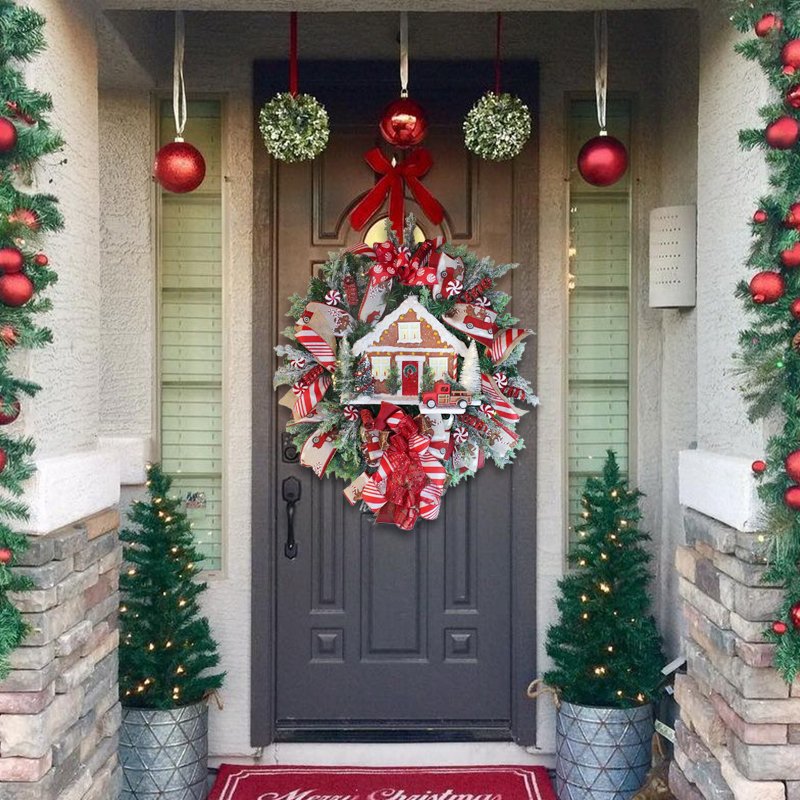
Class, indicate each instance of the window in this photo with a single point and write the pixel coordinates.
(380, 367)
(409, 332)
(439, 366)
(190, 333)
(599, 310)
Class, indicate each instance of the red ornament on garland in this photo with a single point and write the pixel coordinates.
(760, 217)
(767, 287)
(759, 467)
(9, 336)
(404, 123)
(792, 497)
(26, 217)
(14, 409)
(783, 134)
(41, 260)
(8, 135)
(767, 24)
(5, 555)
(3, 459)
(603, 160)
(792, 464)
(15, 289)
(793, 96)
(179, 167)
(790, 55)
(791, 258)
(793, 216)
(779, 627)
(794, 308)
(794, 615)
(11, 260)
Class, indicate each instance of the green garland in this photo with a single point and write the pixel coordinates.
(497, 127)
(768, 356)
(295, 128)
(23, 218)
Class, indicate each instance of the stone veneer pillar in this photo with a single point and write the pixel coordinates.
(59, 708)
(738, 736)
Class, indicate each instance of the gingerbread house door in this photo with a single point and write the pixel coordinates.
(371, 633)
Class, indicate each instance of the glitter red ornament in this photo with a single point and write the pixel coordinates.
(791, 258)
(25, 216)
(790, 55)
(602, 161)
(41, 260)
(13, 409)
(179, 167)
(15, 289)
(783, 134)
(5, 555)
(760, 217)
(794, 615)
(404, 123)
(792, 464)
(767, 24)
(779, 627)
(11, 260)
(792, 497)
(759, 467)
(767, 287)
(8, 135)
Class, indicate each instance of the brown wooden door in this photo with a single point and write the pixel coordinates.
(379, 632)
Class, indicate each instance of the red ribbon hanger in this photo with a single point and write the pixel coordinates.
(498, 39)
(293, 73)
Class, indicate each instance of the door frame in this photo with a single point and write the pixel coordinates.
(520, 77)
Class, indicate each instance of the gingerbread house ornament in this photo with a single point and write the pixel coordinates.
(401, 346)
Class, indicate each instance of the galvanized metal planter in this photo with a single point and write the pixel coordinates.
(602, 753)
(164, 754)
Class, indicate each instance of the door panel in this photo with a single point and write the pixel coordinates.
(377, 628)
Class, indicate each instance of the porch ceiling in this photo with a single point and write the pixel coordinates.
(392, 5)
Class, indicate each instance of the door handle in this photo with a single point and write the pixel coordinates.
(291, 490)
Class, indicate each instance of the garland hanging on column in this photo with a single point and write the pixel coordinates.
(769, 349)
(25, 136)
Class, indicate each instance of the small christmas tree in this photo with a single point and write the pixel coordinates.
(605, 648)
(470, 374)
(343, 375)
(363, 382)
(165, 645)
(393, 379)
(428, 378)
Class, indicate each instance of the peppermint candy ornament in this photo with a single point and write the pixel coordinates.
(350, 413)
(333, 297)
(460, 435)
(454, 289)
(483, 302)
(488, 410)
(298, 363)
(501, 379)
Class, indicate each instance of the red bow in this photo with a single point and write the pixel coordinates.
(392, 184)
(392, 261)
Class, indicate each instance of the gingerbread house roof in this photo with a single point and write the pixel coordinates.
(411, 303)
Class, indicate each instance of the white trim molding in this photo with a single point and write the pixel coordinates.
(721, 487)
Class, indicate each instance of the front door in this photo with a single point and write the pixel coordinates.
(380, 633)
(410, 373)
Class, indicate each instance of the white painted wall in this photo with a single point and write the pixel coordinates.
(220, 52)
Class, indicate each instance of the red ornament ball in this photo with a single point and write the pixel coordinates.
(759, 467)
(5, 555)
(783, 134)
(41, 260)
(13, 412)
(179, 167)
(767, 287)
(11, 259)
(790, 55)
(8, 135)
(794, 615)
(793, 216)
(792, 497)
(26, 217)
(779, 627)
(793, 466)
(760, 217)
(767, 24)
(794, 308)
(791, 258)
(404, 123)
(602, 161)
(8, 335)
(793, 96)
(15, 289)
(3, 459)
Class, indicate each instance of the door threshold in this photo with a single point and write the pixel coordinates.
(395, 733)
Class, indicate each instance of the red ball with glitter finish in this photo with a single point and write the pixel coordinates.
(792, 464)
(779, 627)
(767, 287)
(27, 217)
(759, 467)
(11, 260)
(793, 96)
(15, 289)
(791, 258)
(179, 167)
(790, 55)
(767, 24)
(602, 161)
(792, 497)
(8, 135)
(760, 217)
(794, 615)
(5, 555)
(404, 123)
(13, 412)
(783, 134)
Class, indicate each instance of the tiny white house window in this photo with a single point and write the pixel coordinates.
(380, 367)
(409, 332)
(439, 367)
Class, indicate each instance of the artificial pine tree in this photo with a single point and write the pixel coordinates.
(25, 137)
(363, 382)
(470, 374)
(605, 648)
(393, 379)
(165, 644)
(428, 378)
(343, 375)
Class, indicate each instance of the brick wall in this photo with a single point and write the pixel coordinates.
(738, 736)
(59, 710)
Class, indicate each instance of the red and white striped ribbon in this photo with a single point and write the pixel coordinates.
(505, 341)
(503, 408)
(309, 398)
(316, 345)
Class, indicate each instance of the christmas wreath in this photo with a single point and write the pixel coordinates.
(403, 368)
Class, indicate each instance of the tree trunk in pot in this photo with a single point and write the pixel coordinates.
(602, 753)
(164, 754)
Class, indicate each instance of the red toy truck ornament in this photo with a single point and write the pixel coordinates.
(443, 396)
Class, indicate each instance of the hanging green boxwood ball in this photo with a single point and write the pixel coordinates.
(294, 127)
(497, 126)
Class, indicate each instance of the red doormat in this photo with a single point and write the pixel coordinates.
(382, 783)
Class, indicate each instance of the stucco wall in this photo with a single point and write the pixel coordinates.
(220, 52)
